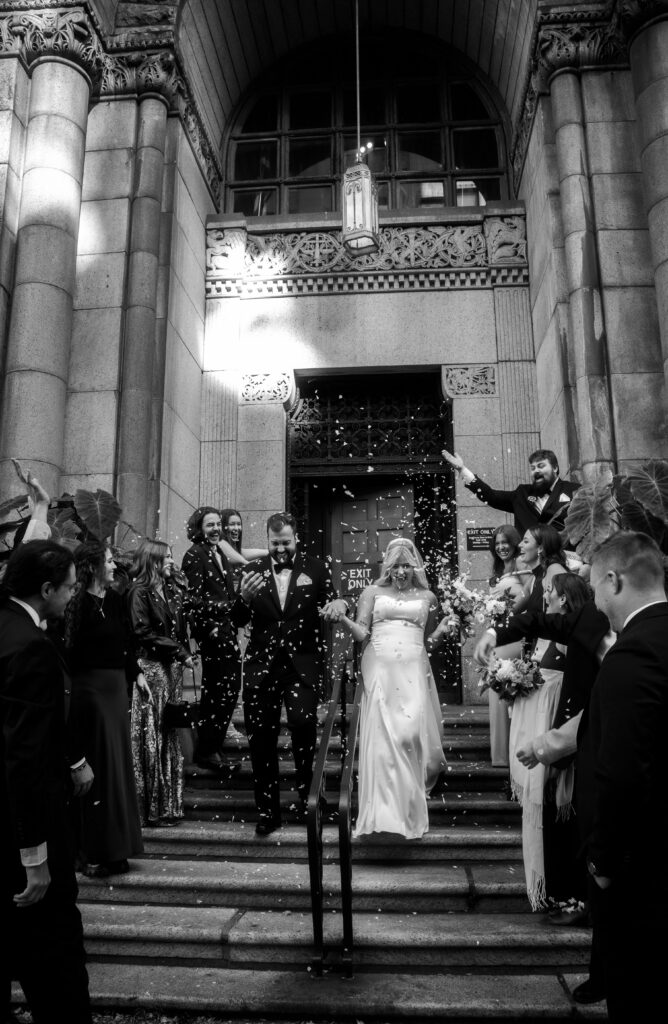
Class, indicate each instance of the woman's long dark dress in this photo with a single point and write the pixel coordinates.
(102, 666)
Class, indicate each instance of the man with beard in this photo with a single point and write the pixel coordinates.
(210, 599)
(284, 595)
(41, 922)
(545, 500)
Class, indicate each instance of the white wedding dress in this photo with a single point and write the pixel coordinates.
(401, 744)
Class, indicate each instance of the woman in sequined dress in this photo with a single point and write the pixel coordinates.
(155, 603)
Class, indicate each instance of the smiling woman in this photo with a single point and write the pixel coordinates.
(401, 751)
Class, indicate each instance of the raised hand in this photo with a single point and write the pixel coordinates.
(35, 489)
(456, 461)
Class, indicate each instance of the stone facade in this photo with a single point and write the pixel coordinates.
(151, 345)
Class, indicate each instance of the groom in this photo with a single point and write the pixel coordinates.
(284, 595)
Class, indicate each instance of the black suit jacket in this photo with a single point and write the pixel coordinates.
(582, 633)
(296, 629)
(34, 743)
(622, 743)
(521, 502)
(211, 593)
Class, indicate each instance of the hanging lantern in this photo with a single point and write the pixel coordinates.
(359, 203)
(359, 193)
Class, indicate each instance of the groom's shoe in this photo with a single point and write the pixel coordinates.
(267, 825)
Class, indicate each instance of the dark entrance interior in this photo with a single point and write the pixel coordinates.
(365, 466)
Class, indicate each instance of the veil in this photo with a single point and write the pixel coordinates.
(403, 547)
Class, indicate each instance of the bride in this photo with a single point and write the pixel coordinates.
(401, 752)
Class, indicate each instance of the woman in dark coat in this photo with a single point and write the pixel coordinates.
(99, 647)
(155, 601)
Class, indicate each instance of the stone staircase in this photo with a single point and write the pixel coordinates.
(216, 920)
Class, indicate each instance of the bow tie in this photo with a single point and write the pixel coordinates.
(278, 569)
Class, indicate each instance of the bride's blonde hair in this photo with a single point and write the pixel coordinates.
(402, 547)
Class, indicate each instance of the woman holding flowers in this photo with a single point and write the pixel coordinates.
(505, 587)
(401, 752)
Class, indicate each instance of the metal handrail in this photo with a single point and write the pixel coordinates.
(314, 816)
(345, 831)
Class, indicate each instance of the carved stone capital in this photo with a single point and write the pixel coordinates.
(569, 40)
(468, 381)
(277, 387)
(67, 33)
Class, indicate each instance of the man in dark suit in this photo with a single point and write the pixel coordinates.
(41, 922)
(285, 595)
(622, 768)
(210, 599)
(544, 501)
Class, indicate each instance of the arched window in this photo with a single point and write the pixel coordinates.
(437, 135)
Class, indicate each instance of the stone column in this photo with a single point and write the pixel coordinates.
(38, 349)
(649, 67)
(587, 326)
(134, 439)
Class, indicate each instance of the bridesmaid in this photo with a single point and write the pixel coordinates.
(98, 641)
(155, 601)
(505, 548)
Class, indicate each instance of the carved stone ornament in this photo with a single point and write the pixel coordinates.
(267, 387)
(475, 379)
(435, 256)
(65, 33)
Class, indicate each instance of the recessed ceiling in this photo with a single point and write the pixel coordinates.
(226, 45)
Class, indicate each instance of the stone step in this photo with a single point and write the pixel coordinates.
(222, 840)
(238, 805)
(236, 937)
(459, 775)
(271, 884)
(373, 996)
(456, 745)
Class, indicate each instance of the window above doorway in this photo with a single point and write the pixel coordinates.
(437, 134)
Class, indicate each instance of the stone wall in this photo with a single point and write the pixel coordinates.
(187, 203)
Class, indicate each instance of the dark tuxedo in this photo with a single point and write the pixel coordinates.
(44, 948)
(210, 598)
(623, 807)
(522, 502)
(284, 664)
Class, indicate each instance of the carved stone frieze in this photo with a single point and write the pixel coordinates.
(432, 257)
(506, 239)
(277, 387)
(476, 379)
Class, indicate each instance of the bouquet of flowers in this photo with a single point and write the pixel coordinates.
(460, 605)
(509, 679)
(497, 608)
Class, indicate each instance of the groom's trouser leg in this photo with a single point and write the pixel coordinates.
(301, 705)
(262, 718)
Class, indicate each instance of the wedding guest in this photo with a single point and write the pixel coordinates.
(401, 731)
(41, 922)
(231, 543)
(622, 777)
(99, 644)
(506, 584)
(156, 607)
(211, 595)
(542, 554)
(543, 501)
